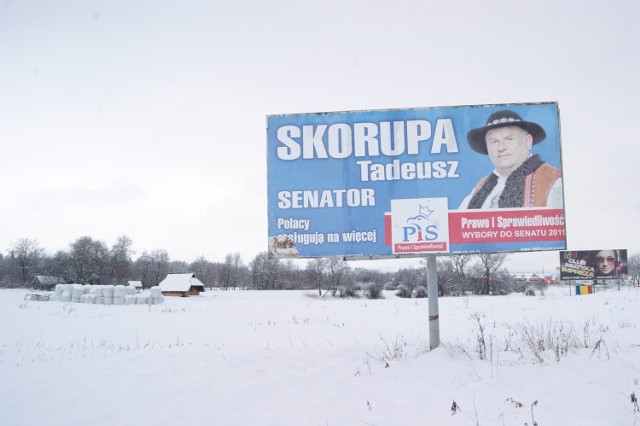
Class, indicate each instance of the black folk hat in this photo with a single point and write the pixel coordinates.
(503, 118)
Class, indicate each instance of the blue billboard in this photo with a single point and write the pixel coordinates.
(406, 182)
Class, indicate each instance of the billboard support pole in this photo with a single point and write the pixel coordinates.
(432, 294)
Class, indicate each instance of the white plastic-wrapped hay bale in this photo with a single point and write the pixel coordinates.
(107, 290)
(99, 300)
(154, 295)
(108, 300)
(119, 291)
(118, 295)
(97, 290)
(87, 288)
(130, 299)
(130, 290)
(59, 289)
(85, 298)
(92, 298)
(161, 299)
(76, 292)
(66, 296)
(141, 299)
(155, 291)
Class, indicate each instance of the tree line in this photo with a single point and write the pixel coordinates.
(90, 261)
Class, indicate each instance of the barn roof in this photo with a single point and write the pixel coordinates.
(136, 284)
(181, 282)
(47, 280)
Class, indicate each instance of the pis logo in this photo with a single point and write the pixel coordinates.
(418, 228)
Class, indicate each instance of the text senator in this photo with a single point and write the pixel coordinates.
(326, 198)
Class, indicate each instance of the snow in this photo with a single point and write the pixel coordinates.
(288, 358)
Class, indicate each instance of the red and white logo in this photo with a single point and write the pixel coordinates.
(420, 225)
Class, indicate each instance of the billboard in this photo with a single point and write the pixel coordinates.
(592, 264)
(408, 182)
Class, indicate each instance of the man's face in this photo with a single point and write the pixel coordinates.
(606, 261)
(508, 147)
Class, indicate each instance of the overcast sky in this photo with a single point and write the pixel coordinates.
(147, 118)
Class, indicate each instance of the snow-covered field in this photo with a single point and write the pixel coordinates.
(285, 358)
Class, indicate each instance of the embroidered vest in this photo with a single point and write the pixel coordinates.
(537, 185)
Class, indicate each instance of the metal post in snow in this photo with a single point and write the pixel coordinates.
(432, 294)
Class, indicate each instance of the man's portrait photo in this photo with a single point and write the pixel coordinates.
(520, 179)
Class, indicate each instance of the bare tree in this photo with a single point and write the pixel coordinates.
(121, 253)
(4, 271)
(205, 271)
(490, 264)
(338, 271)
(178, 267)
(59, 265)
(460, 262)
(370, 276)
(289, 276)
(159, 265)
(230, 274)
(265, 272)
(452, 274)
(407, 279)
(88, 260)
(315, 272)
(142, 267)
(26, 255)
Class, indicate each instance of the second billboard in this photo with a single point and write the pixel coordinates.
(593, 264)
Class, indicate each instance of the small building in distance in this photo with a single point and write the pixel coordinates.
(135, 284)
(46, 282)
(533, 278)
(182, 285)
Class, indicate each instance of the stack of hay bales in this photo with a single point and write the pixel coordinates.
(106, 294)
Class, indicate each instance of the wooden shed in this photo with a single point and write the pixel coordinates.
(46, 282)
(182, 285)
